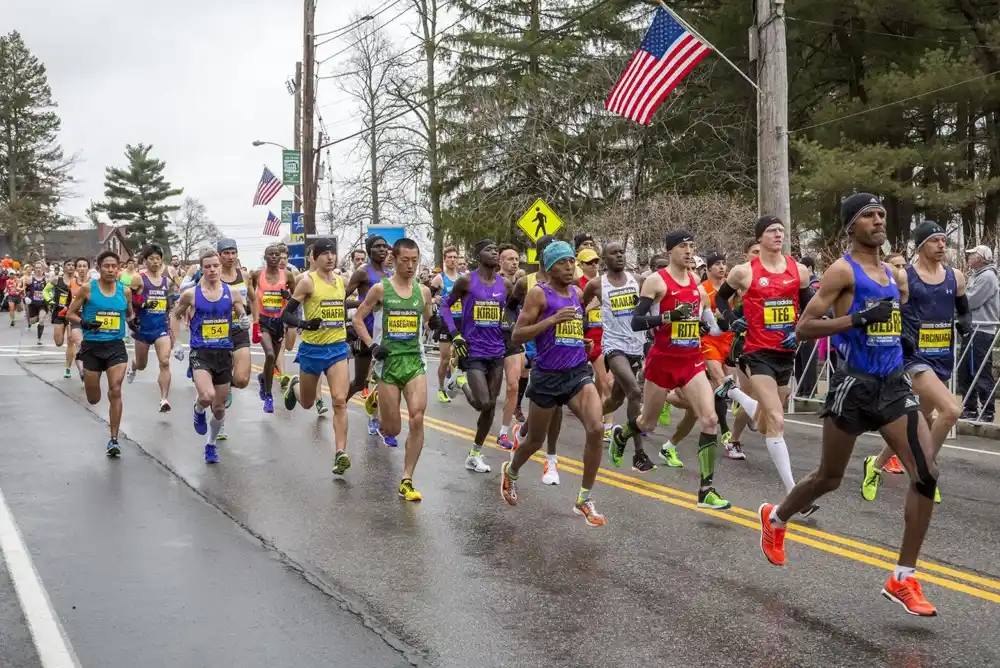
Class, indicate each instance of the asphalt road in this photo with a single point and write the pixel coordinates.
(462, 579)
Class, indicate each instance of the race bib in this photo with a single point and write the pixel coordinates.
(623, 302)
(272, 301)
(63, 299)
(214, 329)
(779, 314)
(111, 321)
(456, 309)
(37, 295)
(594, 318)
(885, 333)
(486, 313)
(934, 338)
(332, 312)
(156, 305)
(570, 333)
(402, 325)
(685, 334)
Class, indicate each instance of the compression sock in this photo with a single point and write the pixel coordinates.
(744, 400)
(779, 455)
(707, 448)
(522, 385)
(720, 412)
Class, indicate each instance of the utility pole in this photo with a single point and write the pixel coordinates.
(308, 115)
(772, 115)
(297, 132)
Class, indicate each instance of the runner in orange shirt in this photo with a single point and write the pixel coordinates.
(715, 348)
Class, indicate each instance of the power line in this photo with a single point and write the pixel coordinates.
(377, 28)
(342, 29)
(892, 34)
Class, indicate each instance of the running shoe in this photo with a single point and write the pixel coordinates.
(504, 442)
(937, 495)
(670, 458)
(735, 451)
(476, 462)
(642, 463)
(289, 396)
(341, 462)
(607, 434)
(130, 373)
(722, 391)
(67, 374)
(407, 491)
(268, 403)
(664, 418)
(364, 392)
(772, 538)
(587, 509)
(726, 437)
(518, 415)
(284, 380)
(616, 446)
(517, 436)
(389, 441)
(893, 466)
(909, 595)
(508, 485)
(443, 397)
(223, 436)
(200, 422)
(373, 425)
(164, 406)
(211, 454)
(550, 475)
(709, 498)
(113, 449)
(870, 479)
(38, 342)
(229, 398)
(371, 403)
(260, 386)
(321, 408)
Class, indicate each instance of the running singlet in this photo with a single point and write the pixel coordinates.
(928, 317)
(771, 306)
(617, 305)
(212, 321)
(482, 314)
(446, 285)
(327, 304)
(63, 294)
(875, 349)
(270, 300)
(724, 341)
(680, 339)
(154, 313)
(36, 288)
(109, 311)
(240, 286)
(373, 278)
(402, 318)
(561, 347)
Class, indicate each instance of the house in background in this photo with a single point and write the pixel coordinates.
(61, 245)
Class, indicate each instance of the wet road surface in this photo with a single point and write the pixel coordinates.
(462, 579)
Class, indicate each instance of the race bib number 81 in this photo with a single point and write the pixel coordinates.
(111, 321)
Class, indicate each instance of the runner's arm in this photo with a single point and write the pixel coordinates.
(129, 311)
(252, 300)
(75, 306)
(805, 291)
(592, 292)
(303, 291)
(734, 284)
(653, 289)
(371, 302)
(425, 292)
(184, 303)
(527, 326)
(358, 280)
(458, 290)
(814, 324)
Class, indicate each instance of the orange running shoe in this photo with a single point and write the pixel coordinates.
(893, 466)
(517, 435)
(772, 538)
(588, 511)
(508, 485)
(364, 393)
(909, 595)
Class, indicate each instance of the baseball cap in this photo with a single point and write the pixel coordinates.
(699, 262)
(587, 255)
(225, 244)
(581, 238)
(985, 251)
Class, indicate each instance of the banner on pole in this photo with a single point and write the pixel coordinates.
(286, 212)
(291, 168)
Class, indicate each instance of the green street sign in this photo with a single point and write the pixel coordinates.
(291, 168)
(286, 212)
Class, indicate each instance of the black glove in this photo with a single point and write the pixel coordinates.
(133, 324)
(377, 352)
(703, 329)
(285, 294)
(880, 312)
(681, 312)
(460, 345)
(909, 349)
(963, 324)
(90, 325)
(312, 325)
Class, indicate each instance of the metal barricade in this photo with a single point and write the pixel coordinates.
(966, 364)
(817, 393)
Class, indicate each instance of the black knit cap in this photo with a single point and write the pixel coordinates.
(713, 257)
(763, 223)
(677, 237)
(323, 245)
(926, 230)
(855, 206)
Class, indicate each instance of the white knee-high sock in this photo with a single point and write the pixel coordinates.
(215, 426)
(744, 400)
(779, 455)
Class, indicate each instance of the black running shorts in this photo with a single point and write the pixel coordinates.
(100, 356)
(773, 363)
(549, 389)
(484, 364)
(274, 327)
(240, 338)
(859, 402)
(216, 361)
(634, 361)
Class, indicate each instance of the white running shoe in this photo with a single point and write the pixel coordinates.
(477, 463)
(735, 451)
(551, 473)
(130, 374)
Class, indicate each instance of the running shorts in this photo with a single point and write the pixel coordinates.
(773, 363)
(671, 371)
(914, 365)
(36, 307)
(399, 370)
(859, 402)
(484, 364)
(549, 389)
(149, 336)
(314, 359)
(441, 334)
(634, 361)
(716, 348)
(595, 334)
(58, 319)
(274, 327)
(100, 356)
(216, 361)
(240, 338)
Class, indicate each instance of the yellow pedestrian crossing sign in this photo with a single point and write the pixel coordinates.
(539, 220)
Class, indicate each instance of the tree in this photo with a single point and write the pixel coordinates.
(193, 229)
(137, 195)
(34, 172)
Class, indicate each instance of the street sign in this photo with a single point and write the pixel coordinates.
(298, 229)
(391, 233)
(532, 256)
(286, 212)
(539, 220)
(291, 168)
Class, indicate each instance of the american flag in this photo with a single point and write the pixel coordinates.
(667, 54)
(272, 227)
(268, 187)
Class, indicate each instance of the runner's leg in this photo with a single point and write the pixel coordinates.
(241, 368)
(415, 394)
(162, 348)
(116, 375)
(270, 360)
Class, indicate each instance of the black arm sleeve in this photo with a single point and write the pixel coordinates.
(290, 316)
(641, 320)
(722, 297)
(805, 294)
(434, 291)
(962, 305)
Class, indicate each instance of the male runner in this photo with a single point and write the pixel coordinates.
(273, 285)
(101, 308)
(400, 367)
(675, 360)
(150, 289)
(618, 294)
(871, 391)
(323, 351)
(936, 293)
(441, 286)
(734, 449)
(513, 357)
(479, 344)
(715, 348)
(14, 295)
(65, 286)
(34, 287)
(553, 316)
(775, 289)
(588, 262)
(234, 278)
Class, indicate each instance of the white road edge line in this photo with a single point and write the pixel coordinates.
(54, 649)
(953, 447)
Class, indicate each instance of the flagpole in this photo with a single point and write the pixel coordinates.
(294, 196)
(697, 34)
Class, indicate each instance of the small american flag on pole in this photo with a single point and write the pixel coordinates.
(268, 187)
(272, 227)
(668, 52)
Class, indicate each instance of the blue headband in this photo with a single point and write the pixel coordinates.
(555, 251)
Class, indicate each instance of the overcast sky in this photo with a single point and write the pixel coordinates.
(197, 79)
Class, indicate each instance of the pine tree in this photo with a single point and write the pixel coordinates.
(137, 196)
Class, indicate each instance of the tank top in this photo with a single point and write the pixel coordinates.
(212, 321)
(62, 294)
(446, 285)
(593, 317)
(726, 339)
(482, 313)
(617, 305)
(876, 349)
(155, 312)
(373, 278)
(269, 298)
(14, 287)
(238, 285)
(928, 317)
(327, 303)
(680, 339)
(771, 306)
(109, 311)
(36, 286)
(560, 347)
(402, 318)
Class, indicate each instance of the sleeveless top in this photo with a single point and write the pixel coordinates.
(928, 317)
(401, 320)
(212, 321)
(561, 347)
(482, 314)
(109, 311)
(680, 339)
(155, 311)
(617, 305)
(771, 306)
(36, 286)
(446, 285)
(270, 301)
(239, 285)
(327, 303)
(373, 278)
(876, 349)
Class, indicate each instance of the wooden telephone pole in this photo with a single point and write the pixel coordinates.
(297, 132)
(773, 196)
(308, 115)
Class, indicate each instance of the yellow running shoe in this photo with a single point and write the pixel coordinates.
(371, 402)
(407, 492)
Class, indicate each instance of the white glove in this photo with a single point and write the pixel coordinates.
(179, 352)
(27, 301)
(714, 331)
(244, 321)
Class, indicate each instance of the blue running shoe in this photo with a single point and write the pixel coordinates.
(188, 372)
(373, 425)
(268, 403)
(211, 455)
(200, 422)
(113, 449)
(229, 399)
(390, 441)
(260, 387)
